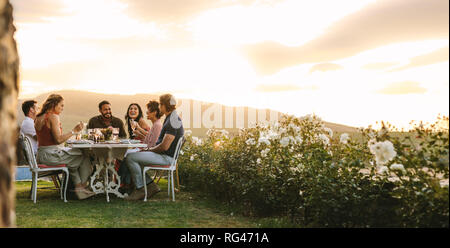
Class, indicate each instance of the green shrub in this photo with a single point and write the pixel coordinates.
(299, 168)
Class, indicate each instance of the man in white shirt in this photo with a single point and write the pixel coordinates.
(30, 110)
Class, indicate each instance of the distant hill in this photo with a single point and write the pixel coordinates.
(197, 116)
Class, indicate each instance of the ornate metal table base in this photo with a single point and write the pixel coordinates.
(105, 179)
(102, 181)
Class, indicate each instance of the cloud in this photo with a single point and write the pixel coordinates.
(36, 10)
(379, 65)
(325, 67)
(267, 88)
(378, 24)
(167, 10)
(172, 11)
(437, 56)
(403, 88)
(63, 74)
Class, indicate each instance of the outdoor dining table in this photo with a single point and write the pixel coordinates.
(105, 154)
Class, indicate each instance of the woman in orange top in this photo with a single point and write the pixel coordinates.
(50, 137)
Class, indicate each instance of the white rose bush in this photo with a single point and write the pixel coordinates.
(316, 177)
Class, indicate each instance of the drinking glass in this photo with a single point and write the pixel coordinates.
(115, 133)
(133, 124)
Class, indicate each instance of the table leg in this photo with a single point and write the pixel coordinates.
(106, 183)
(97, 187)
(112, 186)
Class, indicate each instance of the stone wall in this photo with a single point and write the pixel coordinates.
(9, 67)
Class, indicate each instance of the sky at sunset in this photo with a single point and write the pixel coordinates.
(352, 62)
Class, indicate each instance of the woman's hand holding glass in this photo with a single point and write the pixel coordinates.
(139, 133)
(133, 124)
(77, 130)
(78, 127)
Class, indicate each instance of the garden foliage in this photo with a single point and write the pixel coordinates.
(300, 169)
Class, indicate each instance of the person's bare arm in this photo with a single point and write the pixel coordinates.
(139, 134)
(56, 131)
(143, 124)
(164, 145)
(141, 128)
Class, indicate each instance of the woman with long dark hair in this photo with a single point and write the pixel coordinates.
(50, 136)
(134, 118)
(154, 115)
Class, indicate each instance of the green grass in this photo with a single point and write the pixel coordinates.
(189, 210)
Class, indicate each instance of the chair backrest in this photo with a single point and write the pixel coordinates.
(29, 153)
(21, 157)
(177, 150)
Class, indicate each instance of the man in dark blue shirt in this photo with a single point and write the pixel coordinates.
(161, 154)
(172, 126)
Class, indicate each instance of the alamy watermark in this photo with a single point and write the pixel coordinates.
(195, 114)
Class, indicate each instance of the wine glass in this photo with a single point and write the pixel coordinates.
(133, 124)
(115, 133)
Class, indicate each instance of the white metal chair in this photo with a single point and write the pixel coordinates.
(38, 170)
(170, 168)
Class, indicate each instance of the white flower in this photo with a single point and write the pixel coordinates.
(250, 141)
(192, 157)
(264, 140)
(224, 133)
(196, 140)
(271, 135)
(298, 155)
(344, 138)
(372, 134)
(294, 127)
(282, 130)
(284, 141)
(258, 161)
(276, 125)
(324, 139)
(265, 152)
(383, 151)
(274, 135)
(307, 117)
(209, 132)
(188, 132)
(397, 167)
(329, 131)
(298, 139)
(383, 169)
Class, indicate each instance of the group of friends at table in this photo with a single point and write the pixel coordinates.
(43, 126)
